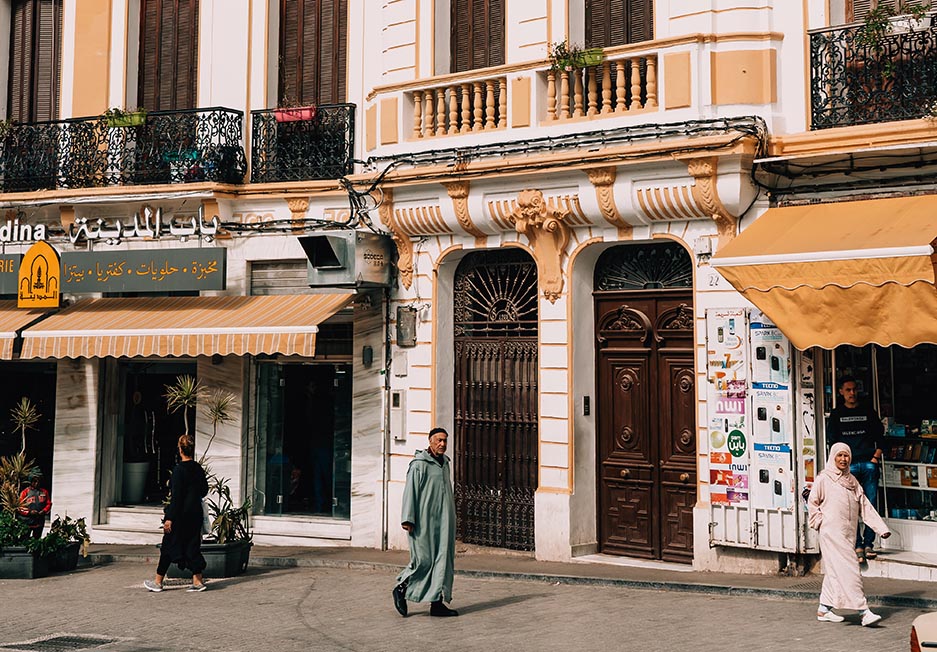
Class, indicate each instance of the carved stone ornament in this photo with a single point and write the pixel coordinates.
(404, 245)
(298, 207)
(548, 235)
(704, 172)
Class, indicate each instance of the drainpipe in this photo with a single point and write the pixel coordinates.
(385, 444)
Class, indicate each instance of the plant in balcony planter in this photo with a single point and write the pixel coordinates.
(564, 56)
(292, 111)
(117, 117)
(886, 20)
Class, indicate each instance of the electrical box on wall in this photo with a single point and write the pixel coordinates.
(398, 410)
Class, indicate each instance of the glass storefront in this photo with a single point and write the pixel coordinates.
(901, 384)
(147, 432)
(35, 381)
(303, 449)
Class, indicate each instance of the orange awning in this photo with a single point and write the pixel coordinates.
(184, 326)
(856, 272)
(13, 319)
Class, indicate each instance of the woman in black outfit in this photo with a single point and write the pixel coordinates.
(182, 523)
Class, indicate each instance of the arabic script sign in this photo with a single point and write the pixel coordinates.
(160, 270)
(149, 225)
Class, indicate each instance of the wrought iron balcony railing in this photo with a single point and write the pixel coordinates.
(169, 147)
(855, 82)
(302, 143)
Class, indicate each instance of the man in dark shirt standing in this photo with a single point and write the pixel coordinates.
(861, 429)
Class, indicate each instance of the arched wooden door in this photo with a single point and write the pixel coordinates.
(495, 438)
(646, 421)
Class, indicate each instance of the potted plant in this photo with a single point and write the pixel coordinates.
(291, 110)
(569, 57)
(25, 415)
(117, 117)
(67, 538)
(183, 394)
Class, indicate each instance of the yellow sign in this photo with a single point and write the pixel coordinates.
(39, 280)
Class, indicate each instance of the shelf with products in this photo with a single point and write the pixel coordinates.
(919, 449)
(910, 490)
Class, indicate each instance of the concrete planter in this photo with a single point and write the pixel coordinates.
(64, 559)
(20, 564)
(222, 559)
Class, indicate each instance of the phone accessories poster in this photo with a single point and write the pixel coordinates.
(771, 416)
(725, 352)
(773, 486)
(728, 453)
(771, 355)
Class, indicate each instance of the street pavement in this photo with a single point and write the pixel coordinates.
(339, 599)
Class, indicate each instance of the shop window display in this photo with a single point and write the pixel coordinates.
(901, 384)
(303, 456)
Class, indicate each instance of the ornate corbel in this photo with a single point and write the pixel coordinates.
(604, 181)
(703, 171)
(404, 245)
(548, 235)
(459, 192)
(298, 207)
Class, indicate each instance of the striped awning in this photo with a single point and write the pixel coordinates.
(13, 319)
(184, 326)
(855, 272)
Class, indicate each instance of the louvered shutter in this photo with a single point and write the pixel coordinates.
(168, 58)
(313, 37)
(858, 9)
(35, 60)
(617, 22)
(476, 34)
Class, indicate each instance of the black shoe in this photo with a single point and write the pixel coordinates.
(400, 599)
(437, 608)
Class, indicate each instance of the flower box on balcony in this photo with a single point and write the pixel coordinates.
(592, 57)
(134, 119)
(908, 23)
(295, 114)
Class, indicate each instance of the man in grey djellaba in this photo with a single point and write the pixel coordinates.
(428, 516)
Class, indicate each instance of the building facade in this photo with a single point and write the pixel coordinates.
(612, 225)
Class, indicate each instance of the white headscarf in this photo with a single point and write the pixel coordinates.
(844, 478)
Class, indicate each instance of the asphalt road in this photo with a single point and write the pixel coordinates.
(335, 609)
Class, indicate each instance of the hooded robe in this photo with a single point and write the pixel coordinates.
(834, 507)
(428, 504)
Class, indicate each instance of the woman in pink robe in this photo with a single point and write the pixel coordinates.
(835, 505)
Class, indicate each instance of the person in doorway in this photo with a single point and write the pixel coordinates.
(35, 503)
(861, 429)
(182, 521)
(428, 516)
(836, 502)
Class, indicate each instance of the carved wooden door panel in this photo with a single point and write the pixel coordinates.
(646, 432)
(496, 437)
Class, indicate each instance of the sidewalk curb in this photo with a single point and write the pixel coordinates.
(903, 601)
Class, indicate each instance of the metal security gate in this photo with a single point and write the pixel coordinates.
(495, 438)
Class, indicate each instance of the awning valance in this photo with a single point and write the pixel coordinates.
(184, 326)
(855, 272)
(13, 319)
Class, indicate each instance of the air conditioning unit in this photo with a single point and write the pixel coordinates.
(349, 259)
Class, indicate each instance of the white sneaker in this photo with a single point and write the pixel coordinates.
(829, 617)
(869, 618)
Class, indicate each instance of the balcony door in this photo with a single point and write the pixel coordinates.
(618, 22)
(476, 34)
(168, 66)
(312, 51)
(35, 60)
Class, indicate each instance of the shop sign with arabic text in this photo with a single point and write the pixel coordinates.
(162, 270)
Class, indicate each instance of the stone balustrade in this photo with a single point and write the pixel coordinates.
(460, 108)
(615, 86)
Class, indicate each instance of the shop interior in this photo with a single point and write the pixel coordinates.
(901, 385)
